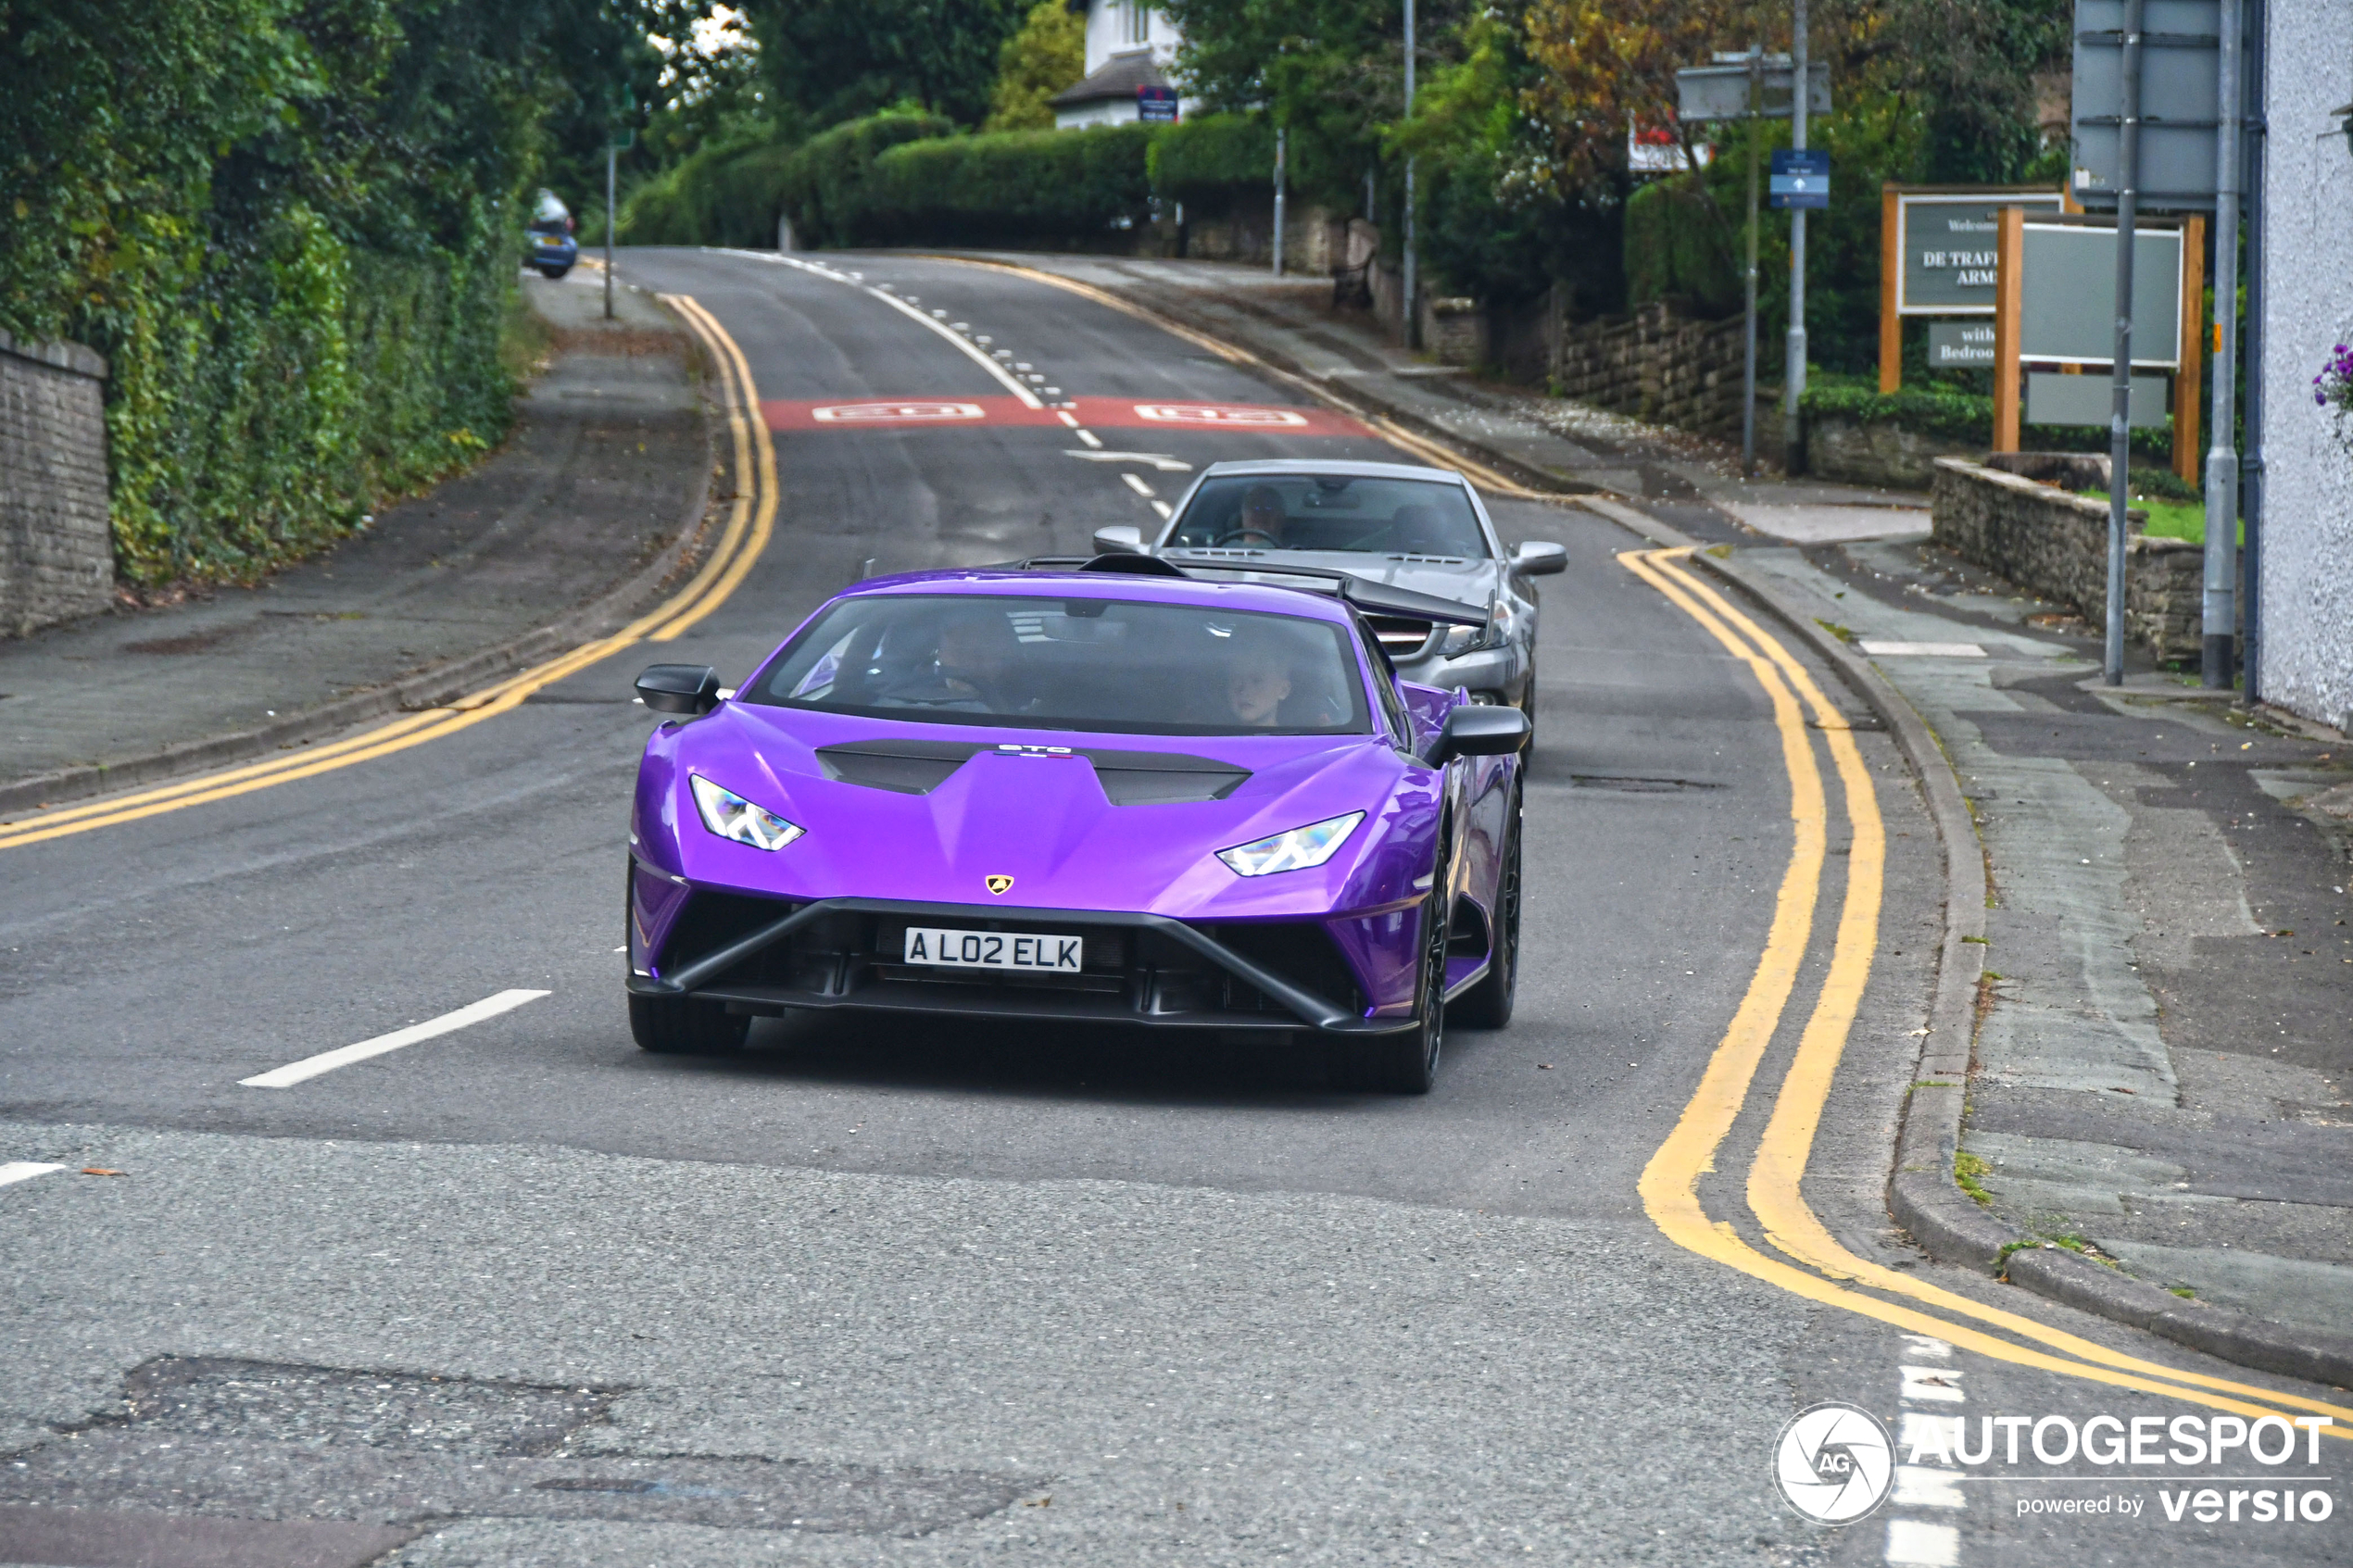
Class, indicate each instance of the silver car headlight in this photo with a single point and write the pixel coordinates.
(1297, 850)
(731, 816)
(1502, 623)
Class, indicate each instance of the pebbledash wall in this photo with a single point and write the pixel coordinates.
(2305, 660)
(57, 553)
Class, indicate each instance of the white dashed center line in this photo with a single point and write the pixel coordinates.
(24, 1171)
(1919, 1543)
(1088, 436)
(448, 1022)
(1138, 485)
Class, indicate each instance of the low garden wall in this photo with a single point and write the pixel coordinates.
(1657, 364)
(57, 553)
(2054, 544)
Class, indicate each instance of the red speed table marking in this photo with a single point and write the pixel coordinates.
(785, 416)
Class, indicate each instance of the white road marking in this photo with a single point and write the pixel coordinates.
(1928, 1348)
(1138, 485)
(1925, 1486)
(448, 1022)
(1068, 418)
(1160, 461)
(905, 306)
(1914, 1544)
(1935, 1384)
(1878, 648)
(1088, 436)
(1164, 509)
(24, 1171)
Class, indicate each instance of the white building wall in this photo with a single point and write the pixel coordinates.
(1110, 30)
(2307, 555)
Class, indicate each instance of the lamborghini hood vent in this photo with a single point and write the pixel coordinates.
(1128, 778)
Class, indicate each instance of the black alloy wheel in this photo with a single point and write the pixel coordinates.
(686, 1026)
(1406, 1063)
(1487, 1005)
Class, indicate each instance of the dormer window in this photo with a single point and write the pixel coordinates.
(1140, 22)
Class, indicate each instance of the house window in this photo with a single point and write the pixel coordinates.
(1140, 22)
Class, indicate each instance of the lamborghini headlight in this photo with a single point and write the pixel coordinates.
(1294, 851)
(731, 816)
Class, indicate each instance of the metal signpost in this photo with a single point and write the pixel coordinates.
(2172, 51)
(1794, 357)
(1280, 150)
(1749, 87)
(1411, 280)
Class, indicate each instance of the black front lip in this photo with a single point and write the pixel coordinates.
(1311, 1010)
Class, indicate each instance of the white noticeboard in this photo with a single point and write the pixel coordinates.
(2066, 294)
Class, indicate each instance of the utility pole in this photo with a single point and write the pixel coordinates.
(1412, 279)
(1279, 201)
(2120, 416)
(1793, 367)
(1748, 350)
(2256, 156)
(610, 155)
(2220, 606)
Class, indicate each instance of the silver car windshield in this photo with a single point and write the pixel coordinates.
(1073, 664)
(1389, 517)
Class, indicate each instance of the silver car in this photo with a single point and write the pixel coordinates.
(1419, 529)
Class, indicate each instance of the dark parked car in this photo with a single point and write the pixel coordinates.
(1419, 529)
(553, 250)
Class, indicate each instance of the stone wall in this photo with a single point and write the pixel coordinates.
(1878, 453)
(2054, 544)
(57, 553)
(1657, 364)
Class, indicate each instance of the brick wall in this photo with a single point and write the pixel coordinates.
(1655, 364)
(2054, 544)
(56, 555)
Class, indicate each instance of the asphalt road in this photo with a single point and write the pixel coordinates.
(896, 1293)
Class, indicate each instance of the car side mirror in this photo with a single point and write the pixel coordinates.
(1478, 729)
(1541, 558)
(1119, 539)
(679, 688)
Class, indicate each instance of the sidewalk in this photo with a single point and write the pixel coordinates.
(2160, 1074)
(584, 511)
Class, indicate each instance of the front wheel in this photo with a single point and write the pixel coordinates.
(686, 1026)
(1407, 1063)
(1487, 1005)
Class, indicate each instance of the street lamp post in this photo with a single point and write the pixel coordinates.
(1412, 278)
(1793, 366)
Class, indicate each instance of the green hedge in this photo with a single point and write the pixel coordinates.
(1011, 187)
(1675, 246)
(1203, 159)
(1957, 415)
(256, 413)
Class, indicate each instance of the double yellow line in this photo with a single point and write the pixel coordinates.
(750, 521)
(1831, 1275)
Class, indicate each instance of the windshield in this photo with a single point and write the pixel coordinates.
(1073, 664)
(1391, 517)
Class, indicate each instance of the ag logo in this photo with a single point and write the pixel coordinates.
(998, 883)
(1834, 1462)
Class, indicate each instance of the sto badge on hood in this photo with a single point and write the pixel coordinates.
(998, 883)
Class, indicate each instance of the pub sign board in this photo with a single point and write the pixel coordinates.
(1156, 105)
(1946, 240)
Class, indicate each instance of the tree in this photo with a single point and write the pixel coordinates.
(832, 60)
(1609, 71)
(1048, 54)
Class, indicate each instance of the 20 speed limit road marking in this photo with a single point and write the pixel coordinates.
(750, 521)
(1669, 1182)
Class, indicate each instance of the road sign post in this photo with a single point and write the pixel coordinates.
(1794, 357)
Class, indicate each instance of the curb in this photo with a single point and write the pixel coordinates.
(430, 688)
(1922, 1194)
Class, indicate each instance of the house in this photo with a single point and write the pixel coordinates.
(2303, 563)
(1129, 45)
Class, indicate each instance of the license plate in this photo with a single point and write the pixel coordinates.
(994, 950)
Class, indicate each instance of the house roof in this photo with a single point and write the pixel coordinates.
(1118, 78)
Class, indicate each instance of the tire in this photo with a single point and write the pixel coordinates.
(1407, 1063)
(553, 273)
(1487, 1005)
(686, 1026)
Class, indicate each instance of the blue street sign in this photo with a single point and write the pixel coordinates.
(1801, 179)
(1156, 104)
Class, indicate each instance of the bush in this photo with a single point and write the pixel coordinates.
(1676, 246)
(1202, 160)
(824, 184)
(1018, 185)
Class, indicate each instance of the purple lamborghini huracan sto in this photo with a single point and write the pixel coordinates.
(1107, 792)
